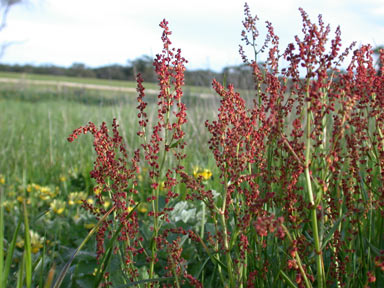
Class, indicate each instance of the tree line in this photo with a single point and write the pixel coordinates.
(240, 76)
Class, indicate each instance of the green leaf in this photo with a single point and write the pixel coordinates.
(27, 249)
(107, 256)
(175, 144)
(289, 281)
(20, 274)
(1, 235)
(64, 271)
(331, 232)
(11, 249)
(202, 268)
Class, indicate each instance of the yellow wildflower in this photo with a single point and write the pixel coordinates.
(8, 205)
(20, 244)
(21, 199)
(2, 179)
(76, 198)
(106, 204)
(29, 188)
(97, 190)
(35, 186)
(58, 206)
(76, 218)
(95, 272)
(129, 209)
(90, 201)
(89, 225)
(204, 174)
(142, 208)
(45, 193)
(36, 242)
(63, 178)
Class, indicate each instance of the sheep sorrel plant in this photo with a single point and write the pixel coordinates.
(299, 200)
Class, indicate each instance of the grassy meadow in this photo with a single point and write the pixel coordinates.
(39, 164)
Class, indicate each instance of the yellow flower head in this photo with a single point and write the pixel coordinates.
(89, 225)
(36, 242)
(204, 174)
(142, 208)
(106, 204)
(76, 198)
(2, 179)
(9, 205)
(97, 190)
(58, 206)
(45, 193)
(21, 199)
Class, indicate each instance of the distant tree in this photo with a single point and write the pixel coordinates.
(114, 71)
(143, 65)
(80, 70)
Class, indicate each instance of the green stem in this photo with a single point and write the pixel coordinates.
(202, 221)
(315, 229)
(226, 242)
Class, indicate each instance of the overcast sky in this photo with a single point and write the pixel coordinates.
(98, 33)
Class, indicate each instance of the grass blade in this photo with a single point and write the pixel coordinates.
(1, 235)
(27, 249)
(11, 249)
(202, 268)
(211, 256)
(289, 281)
(61, 276)
(49, 280)
(20, 274)
(331, 232)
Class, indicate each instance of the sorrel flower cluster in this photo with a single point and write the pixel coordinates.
(301, 171)
(116, 176)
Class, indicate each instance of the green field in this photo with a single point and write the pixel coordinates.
(37, 120)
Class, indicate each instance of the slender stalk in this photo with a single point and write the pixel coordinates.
(1, 236)
(298, 259)
(202, 220)
(315, 230)
(226, 242)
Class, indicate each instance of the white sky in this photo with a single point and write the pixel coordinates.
(98, 33)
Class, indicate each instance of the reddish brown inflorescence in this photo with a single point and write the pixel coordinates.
(299, 161)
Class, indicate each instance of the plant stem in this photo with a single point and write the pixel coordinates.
(225, 231)
(319, 258)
